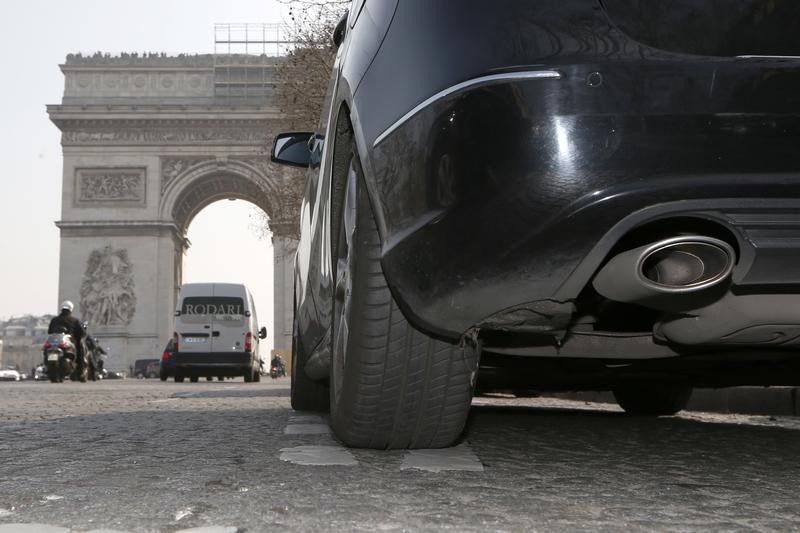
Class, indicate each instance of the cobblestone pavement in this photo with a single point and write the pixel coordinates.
(142, 455)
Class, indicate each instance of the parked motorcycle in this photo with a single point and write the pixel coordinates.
(60, 359)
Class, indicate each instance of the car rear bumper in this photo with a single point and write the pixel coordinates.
(213, 362)
(508, 196)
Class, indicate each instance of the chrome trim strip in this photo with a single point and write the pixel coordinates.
(483, 80)
(767, 57)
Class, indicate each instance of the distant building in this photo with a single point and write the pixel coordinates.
(22, 340)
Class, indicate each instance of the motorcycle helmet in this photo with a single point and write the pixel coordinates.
(66, 304)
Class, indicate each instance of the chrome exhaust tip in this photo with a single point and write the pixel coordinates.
(686, 264)
(678, 265)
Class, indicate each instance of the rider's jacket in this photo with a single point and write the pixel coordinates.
(66, 323)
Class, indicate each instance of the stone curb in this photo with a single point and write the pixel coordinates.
(739, 400)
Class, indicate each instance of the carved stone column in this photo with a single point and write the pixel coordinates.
(284, 245)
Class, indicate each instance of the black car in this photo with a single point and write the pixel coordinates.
(166, 367)
(145, 368)
(551, 195)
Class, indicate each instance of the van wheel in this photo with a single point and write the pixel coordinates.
(392, 386)
(178, 378)
(256, 375)
(194, 379)
(248, 375)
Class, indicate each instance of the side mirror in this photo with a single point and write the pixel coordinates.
(247, 313)
(262, 334)
(177, 313)
(339, 30)
(292, 149)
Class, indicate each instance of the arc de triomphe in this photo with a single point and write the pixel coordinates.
(148, 142)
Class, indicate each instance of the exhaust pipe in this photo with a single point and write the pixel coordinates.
(667, 273)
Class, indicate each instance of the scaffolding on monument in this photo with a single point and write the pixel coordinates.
(245, 56)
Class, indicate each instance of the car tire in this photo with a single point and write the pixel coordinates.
(178, 378)
(256, 375)
(391, 385)
(652, 401)
(194, 379)
(248, 375)
(163, 376)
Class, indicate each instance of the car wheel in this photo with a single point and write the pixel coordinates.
(248, 375)
(178, 378)
(391, 385)
(256, 375)
(652, 401)
(163, 376)
(194, 379)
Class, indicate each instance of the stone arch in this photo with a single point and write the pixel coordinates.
(203, 183)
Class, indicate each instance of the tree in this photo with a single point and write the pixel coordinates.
(303, 77)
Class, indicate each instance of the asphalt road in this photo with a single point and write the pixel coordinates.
(142, 455)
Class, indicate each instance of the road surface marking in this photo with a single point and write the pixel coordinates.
(307, 429)
(459, 457)
(306, 419)
(318, 456)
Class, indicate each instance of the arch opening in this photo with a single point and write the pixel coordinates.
(226, 245)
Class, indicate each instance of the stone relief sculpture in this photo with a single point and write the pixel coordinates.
(108, 297)
(111, 185)
(171, 168)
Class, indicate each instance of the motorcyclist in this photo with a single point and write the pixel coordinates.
(66, 322)
(277, 362)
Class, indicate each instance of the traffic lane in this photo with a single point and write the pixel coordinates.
(201, 455)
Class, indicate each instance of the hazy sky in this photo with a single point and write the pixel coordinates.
(36, 37)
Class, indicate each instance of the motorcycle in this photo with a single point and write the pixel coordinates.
(95, 355)
(61, 360)
(276, 371)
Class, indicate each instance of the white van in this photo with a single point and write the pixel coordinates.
(216, 333)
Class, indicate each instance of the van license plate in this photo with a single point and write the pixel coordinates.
(194, 339)
(52, 356)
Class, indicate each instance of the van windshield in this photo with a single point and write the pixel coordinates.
(221, 307)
